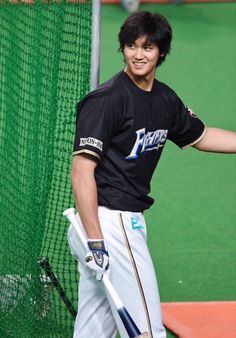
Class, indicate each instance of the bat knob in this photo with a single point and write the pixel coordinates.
(69, 211)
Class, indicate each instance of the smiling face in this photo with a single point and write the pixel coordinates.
(141, 59)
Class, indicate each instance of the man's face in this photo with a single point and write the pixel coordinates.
(141, 58)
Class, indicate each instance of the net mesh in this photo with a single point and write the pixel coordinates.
(44, 71)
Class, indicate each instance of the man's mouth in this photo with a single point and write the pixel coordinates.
(139, 64)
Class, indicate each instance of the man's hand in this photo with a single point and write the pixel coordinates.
(97, 259)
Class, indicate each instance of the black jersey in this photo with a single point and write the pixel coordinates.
(126, 128)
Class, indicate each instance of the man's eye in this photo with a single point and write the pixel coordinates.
(148, 47)
(130, 45)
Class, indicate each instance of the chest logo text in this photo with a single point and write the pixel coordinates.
(147, 141)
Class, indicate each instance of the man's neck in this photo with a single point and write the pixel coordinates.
(143, 82)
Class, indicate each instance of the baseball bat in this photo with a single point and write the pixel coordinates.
(128, 322)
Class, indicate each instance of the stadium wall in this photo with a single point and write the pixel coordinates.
(166, 1)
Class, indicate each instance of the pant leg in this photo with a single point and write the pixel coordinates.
(132, 271)
(94, 318)
(132, 275)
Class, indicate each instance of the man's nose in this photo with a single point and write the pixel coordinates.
(139, 53)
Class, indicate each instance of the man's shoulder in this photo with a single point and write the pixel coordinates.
(114, 83)
(166, 95)
(165, 90)
(109, 88)
(110, 91)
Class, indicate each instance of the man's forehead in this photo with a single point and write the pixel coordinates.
(143, 40)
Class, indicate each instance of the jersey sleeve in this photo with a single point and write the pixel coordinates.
(95, 124)
(187, 129)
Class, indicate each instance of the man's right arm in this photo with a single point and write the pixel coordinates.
(85, 193)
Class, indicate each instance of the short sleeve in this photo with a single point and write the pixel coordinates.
(95, 123)
(187, 129)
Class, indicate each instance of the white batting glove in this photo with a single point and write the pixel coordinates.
(97, 259)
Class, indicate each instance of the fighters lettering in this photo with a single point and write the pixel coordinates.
(147, 141)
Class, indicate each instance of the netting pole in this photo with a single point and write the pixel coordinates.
(95, 53)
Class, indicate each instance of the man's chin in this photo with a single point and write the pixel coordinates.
(138, 71)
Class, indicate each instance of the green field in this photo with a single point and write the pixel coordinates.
(191, 227)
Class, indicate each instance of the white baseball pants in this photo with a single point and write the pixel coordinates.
(132, 275)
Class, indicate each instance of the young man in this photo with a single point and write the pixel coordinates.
(121, 130)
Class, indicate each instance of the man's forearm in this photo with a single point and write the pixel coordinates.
(85, 193)
(218, 141)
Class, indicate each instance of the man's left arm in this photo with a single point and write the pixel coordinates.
(218, 141)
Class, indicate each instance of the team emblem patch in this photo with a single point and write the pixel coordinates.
(191, 112)
(91, 142)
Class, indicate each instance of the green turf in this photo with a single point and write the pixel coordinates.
(191, 227)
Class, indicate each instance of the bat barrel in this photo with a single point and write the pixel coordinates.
(130, 326)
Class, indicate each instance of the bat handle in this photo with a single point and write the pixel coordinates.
(70, 214)
(111, 291)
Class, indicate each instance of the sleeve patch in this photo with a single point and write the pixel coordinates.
(93, 142)
(191, 112)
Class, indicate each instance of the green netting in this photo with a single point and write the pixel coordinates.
(44, 71)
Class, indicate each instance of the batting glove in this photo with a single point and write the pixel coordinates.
(97, 259)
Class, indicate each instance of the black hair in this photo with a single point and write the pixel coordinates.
(152, 25)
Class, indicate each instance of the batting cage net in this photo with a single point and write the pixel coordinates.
(45, 49)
